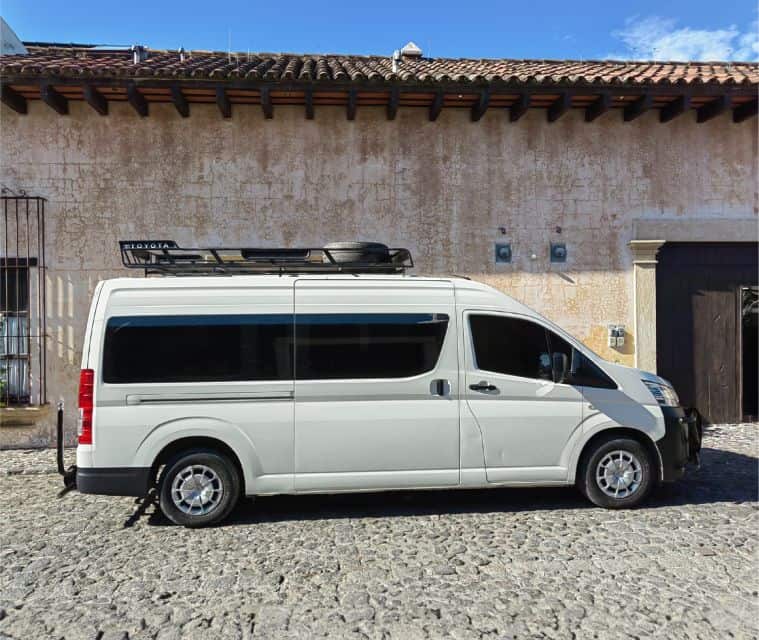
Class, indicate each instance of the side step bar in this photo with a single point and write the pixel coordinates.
(69, 475)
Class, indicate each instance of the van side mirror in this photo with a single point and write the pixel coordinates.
(559, 366)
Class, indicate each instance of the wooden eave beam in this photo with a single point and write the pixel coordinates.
(712, 90)
(266, 105)
(519, 107)
(481, 106)
(95, 99)
(137, 100)
(309, 99)
(638, 107)
(222, 101)
(559, 106)
(675, 108)
(13, 99)
(180, 102)
(713, 109)
(53, 99)
(437, 106)
(393, 102)
(352, 101)
(745, 111)
(598, 107)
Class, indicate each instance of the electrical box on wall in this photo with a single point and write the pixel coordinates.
(616, 336)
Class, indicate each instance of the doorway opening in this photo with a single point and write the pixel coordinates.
(750, 351)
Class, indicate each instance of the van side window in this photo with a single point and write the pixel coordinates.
(511, 346)
(220, 348)
(375, 345)
(583, 371)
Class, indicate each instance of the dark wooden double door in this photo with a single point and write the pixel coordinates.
(706, 334)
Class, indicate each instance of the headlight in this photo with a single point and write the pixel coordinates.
(664, 394)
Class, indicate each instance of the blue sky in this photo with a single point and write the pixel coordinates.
(676, 29)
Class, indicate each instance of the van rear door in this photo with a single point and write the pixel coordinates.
(376, 377)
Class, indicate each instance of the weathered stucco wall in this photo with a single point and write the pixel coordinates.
(443, 189)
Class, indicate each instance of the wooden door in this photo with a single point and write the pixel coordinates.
(698, 287)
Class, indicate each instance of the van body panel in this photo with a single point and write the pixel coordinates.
(254, 418)
(392, 432)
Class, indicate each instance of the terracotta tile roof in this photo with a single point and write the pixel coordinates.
(83, 62)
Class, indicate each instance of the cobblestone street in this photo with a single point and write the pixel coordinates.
(484, 564)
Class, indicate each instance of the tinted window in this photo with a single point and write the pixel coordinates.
(523, 348)
(340, 346)
(198, 348)
(512, 346)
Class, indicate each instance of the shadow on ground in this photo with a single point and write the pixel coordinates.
(724, 476)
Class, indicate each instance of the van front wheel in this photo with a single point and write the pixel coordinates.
(617, 473)
(198, 488)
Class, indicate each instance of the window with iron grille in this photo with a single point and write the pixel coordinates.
(22, 302)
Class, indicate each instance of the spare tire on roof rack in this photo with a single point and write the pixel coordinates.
(361, 252)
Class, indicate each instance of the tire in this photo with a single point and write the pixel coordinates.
(198, 488)
(617, 473)
(367, 252)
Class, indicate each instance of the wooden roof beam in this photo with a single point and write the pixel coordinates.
(559, 106)
(519, 107)
(180, 102)
(638, 107)
(222, 101)
(309, 100)
(597, 108)
(437, 106)
(392, 105)
(53, 99)
(675, 108)
(481, 106)
(137, 100)
(352, 102)
(13, 99)
(745, 111)
(713, 109)
(266, 104)
(95, 99)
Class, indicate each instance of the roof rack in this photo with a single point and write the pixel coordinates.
(165, 257)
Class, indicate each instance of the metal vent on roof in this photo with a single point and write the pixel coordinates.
(411, 51)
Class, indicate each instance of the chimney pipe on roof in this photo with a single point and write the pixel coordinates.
(396, 60)
(139, 53)
(181, 54)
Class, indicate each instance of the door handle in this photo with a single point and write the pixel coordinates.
(483, 386)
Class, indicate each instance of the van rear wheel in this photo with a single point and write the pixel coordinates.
(198, 488)
(617, 473)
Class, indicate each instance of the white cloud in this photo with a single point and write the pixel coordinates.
(656, 38)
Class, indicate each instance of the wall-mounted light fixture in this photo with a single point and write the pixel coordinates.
(558, 252)
(502, 252)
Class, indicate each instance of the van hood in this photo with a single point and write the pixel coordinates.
(640, 374)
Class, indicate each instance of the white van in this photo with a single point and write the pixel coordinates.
(330, 370)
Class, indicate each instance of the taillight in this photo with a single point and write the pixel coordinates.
(86, 402)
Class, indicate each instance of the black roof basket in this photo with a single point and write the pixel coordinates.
(165, 257)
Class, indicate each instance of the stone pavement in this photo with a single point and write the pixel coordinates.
(503, 563)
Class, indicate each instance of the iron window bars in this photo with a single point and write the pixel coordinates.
(165, 257)
(23, 320)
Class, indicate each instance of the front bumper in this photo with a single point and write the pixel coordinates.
(681, 443)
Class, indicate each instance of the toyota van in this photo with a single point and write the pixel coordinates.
(247, 372)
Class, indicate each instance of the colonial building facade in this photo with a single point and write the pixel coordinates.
(617, 198)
